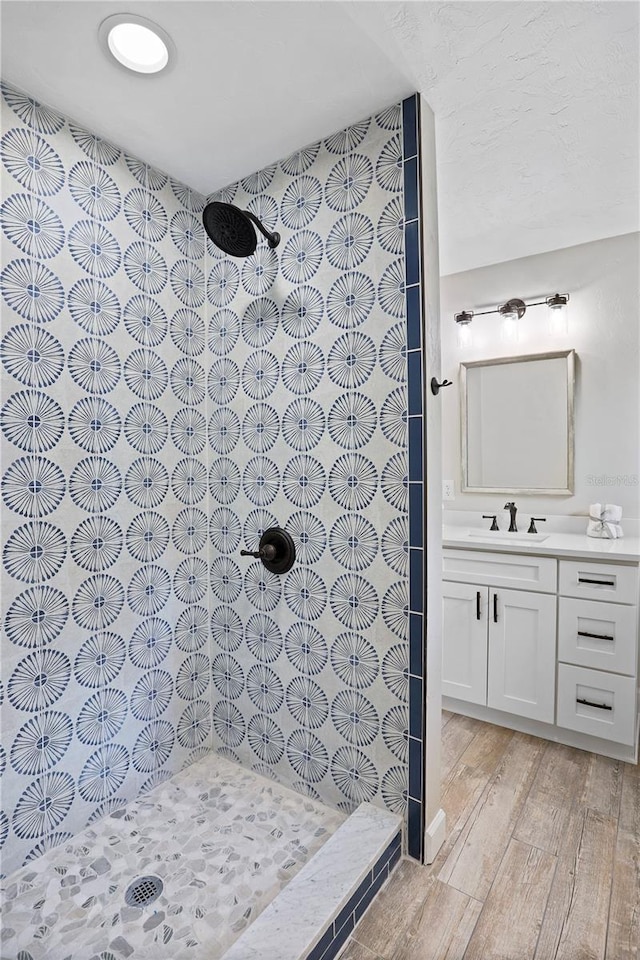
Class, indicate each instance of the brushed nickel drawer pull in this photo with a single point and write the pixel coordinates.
(595, 636)
(600, 583)
(590, 703)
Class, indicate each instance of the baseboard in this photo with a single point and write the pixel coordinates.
(547, 731)
(434, 836)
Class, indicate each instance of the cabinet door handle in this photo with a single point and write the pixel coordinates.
(595, 636)
(590, 703)
(495, 608)
(600, 583)
(478, 612)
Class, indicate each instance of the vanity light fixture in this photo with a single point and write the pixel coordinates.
(511, 311)
(514, 309)
(136, 43)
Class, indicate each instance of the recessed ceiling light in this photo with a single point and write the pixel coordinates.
(136, 43)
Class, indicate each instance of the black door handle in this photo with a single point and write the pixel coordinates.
(478, 612)
(495, 608)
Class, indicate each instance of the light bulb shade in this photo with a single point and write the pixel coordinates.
(510, 332)
(465, 335)
(558, 315)
(464, 317)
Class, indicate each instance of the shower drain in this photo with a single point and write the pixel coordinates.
(143, 890)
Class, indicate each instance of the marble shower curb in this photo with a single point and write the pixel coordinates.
(313, 916)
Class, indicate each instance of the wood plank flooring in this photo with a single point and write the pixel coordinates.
(541, 860)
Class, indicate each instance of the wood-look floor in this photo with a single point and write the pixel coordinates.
(541, 861)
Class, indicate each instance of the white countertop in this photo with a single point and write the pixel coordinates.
(626, 549)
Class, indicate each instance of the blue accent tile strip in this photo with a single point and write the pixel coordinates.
(416, 518)
(415, 829)
(412, 253)
(416, 721)
(384, 859)
(370, 894)
(410, 126)
(322, 945)
(334, 937)
(411, 195)
(416, 580)
(414, 369)
(415, 769)
(416, 466)
(414, 318)
(416, 644)
(416, 376)
(395, 860)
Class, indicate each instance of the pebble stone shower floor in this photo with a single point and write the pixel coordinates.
(223, 840)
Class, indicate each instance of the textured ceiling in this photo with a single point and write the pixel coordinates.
(536, 110)
(536, 103)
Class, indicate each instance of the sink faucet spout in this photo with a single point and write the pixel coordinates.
(511, 507)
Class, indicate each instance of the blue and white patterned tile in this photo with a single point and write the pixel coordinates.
(164, 404)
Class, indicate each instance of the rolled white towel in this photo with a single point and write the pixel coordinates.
(604, 521)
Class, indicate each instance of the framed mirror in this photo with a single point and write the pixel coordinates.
(517, 424)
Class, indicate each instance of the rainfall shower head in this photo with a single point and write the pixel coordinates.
(231, 229)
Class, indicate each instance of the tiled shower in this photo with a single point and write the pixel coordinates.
(162, 405)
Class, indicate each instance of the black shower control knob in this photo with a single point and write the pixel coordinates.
(276, 550)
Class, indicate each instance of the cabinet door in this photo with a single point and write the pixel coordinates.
(522, 653)
(464, 642)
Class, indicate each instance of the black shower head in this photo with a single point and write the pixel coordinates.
(231, 229)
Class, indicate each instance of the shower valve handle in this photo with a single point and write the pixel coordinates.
(276, 550)
(267, 552)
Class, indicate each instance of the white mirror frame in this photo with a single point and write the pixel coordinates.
(539, 491)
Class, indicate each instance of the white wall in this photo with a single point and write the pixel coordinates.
(602, 279)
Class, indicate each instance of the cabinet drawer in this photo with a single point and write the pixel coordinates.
(512, 570)
(613, 718)
(599, 581)
(598, 635)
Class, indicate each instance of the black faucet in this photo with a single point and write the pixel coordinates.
(511, 507)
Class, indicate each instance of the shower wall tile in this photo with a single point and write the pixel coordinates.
(104, 693)
(311, 667)
(162, 405)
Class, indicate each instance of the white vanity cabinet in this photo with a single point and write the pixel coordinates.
(545, 644)
(499, 643)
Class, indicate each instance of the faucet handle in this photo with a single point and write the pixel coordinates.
(532, 525)
(494, 517)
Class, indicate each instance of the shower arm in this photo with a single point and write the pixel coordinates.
(273, 239)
